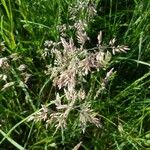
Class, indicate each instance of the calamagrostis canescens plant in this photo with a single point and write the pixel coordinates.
(72, 64)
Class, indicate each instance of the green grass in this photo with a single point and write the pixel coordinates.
(123, 107)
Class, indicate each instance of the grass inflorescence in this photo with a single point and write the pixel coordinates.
(74, 74)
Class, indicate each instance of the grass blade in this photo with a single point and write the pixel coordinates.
(11, 141)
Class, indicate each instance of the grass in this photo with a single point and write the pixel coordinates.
(109, 110)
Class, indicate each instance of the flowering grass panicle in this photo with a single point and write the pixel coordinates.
(72, 64)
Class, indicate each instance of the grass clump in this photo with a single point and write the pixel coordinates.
(74, 74)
